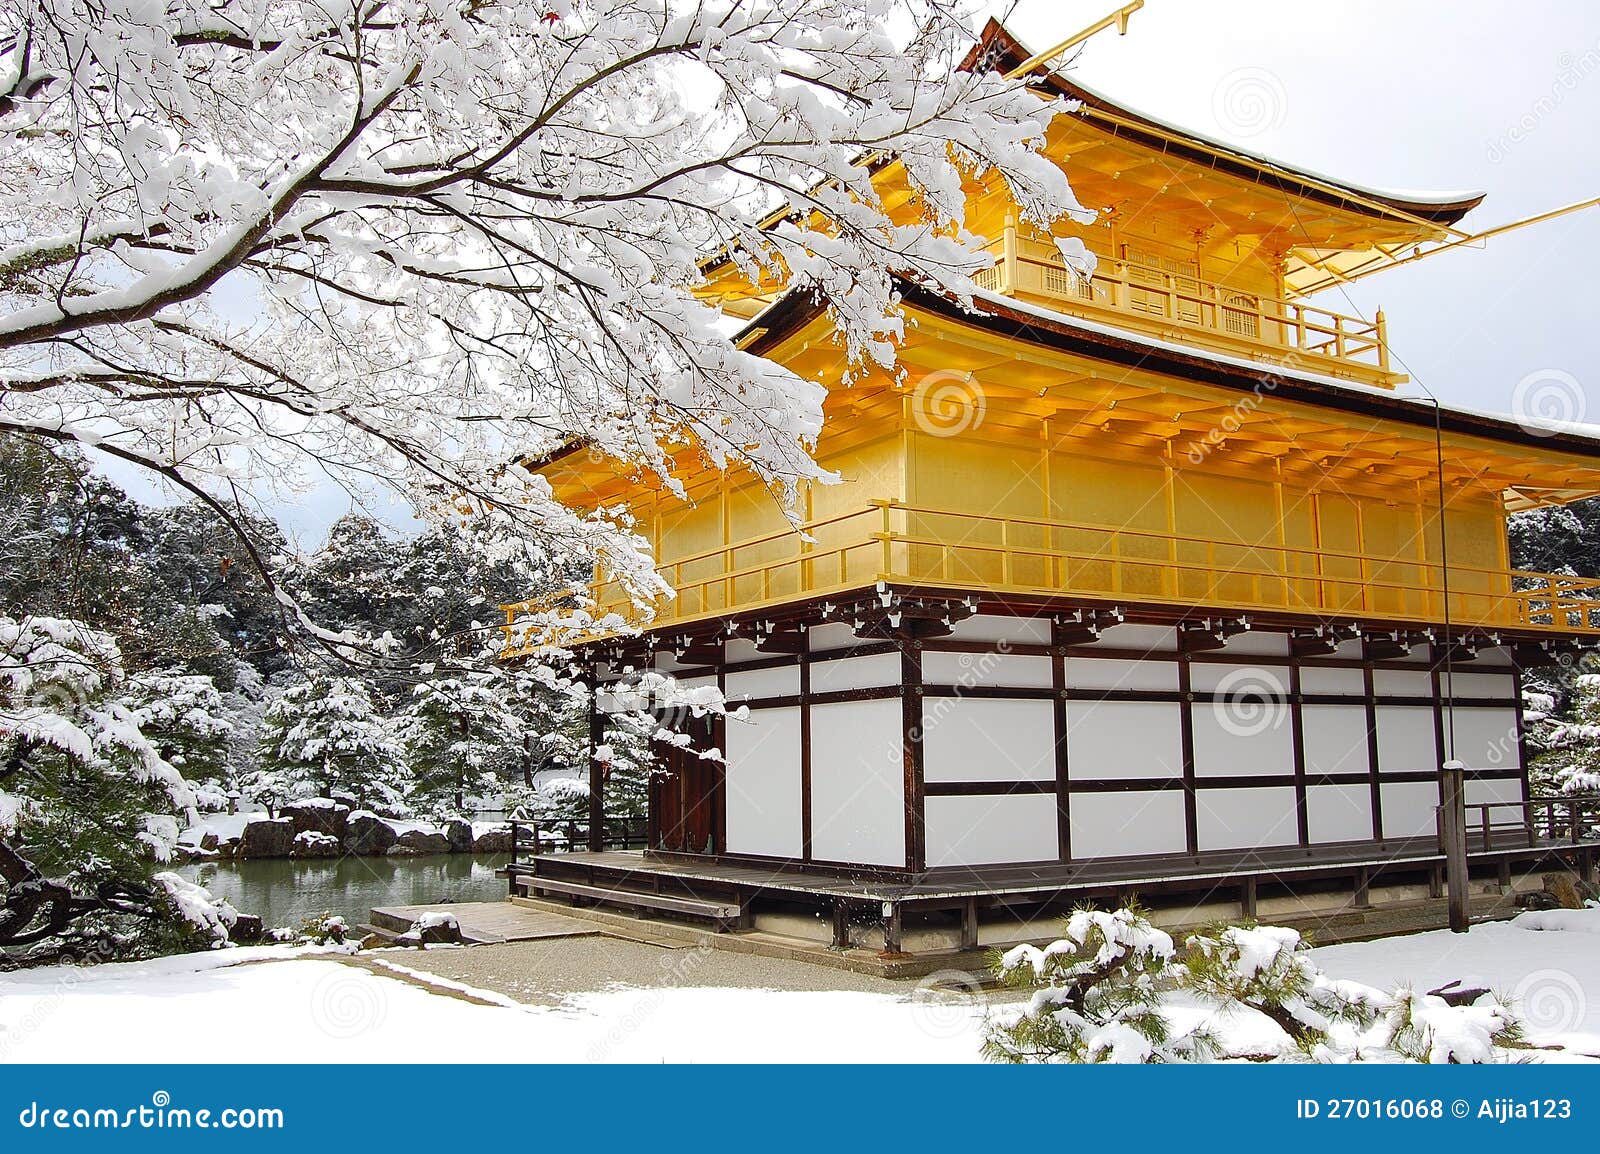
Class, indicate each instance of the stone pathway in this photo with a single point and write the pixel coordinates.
(548, 971)
(488, 922)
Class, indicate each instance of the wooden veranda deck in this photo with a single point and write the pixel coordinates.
(634, 876)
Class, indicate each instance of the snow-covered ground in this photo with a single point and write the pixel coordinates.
(1546, 963)
(318, 1010)
(276, 1005)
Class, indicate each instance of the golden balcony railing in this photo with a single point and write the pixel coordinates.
(1177, 304)
(905, 545)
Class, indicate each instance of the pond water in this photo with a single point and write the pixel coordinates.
(284, 891)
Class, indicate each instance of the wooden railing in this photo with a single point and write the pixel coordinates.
(1537, 821)
(1180, 304)
(533, 838)
(892, 542)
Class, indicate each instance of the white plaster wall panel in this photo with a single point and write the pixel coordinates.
(1408, 808)
(987, 739)
(1402, 683)
(1243, 680)
(1245, 818)
(1255, 737)
(1266, 644)
(1005, 669)
(1494, 655)
(1150, 638)
(870, 672)
(994, 627)
(1335, 738)
(666, 663)
(779, 681)
(1339, 813)
(1115, 673)
(1349, 650)
(741, 649)
(1406, 742)
(1332, 679)
(1486, 738)
(1124, 824)
(700, 682)
(857, 783)
(833, 636)
(763, 783)
(1469, 685)
(1499, 789)
(978, 830)
(1123, 739)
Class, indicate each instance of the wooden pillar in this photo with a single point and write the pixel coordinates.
(805, 744)
(1374, 780)
(1453, 836)
(912, 744)
(1247, 898)
(1058, 709)
(892, 923)
(1191, 819)
(969, 924)
(1297, 737)
(841, 924)
(597, 778)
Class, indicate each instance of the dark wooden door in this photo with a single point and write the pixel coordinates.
(686, 799)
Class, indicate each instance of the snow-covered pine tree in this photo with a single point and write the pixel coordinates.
(461, 741)
(1096, 996)
(1104, 993)
(88, 807)
(1570, 761)
(186, 719)
(324, 737)
(1267, 969)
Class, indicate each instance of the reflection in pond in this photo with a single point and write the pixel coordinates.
(283, 891)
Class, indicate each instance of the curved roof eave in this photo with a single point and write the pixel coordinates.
(1441, 208)
(1038, 325)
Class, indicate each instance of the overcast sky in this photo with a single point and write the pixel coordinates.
(1498, 97)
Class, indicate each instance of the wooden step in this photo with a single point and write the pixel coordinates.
(722, 913)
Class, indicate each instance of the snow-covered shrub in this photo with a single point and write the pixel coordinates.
(1097, 996)
(323, 928)
(1426, 1028)
(213, 918)
(1110, 990)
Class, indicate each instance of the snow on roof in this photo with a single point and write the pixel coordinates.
(1434, 205)
(1415, 196)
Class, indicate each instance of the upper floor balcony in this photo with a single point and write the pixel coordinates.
(903, 545)
(1175, 304)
